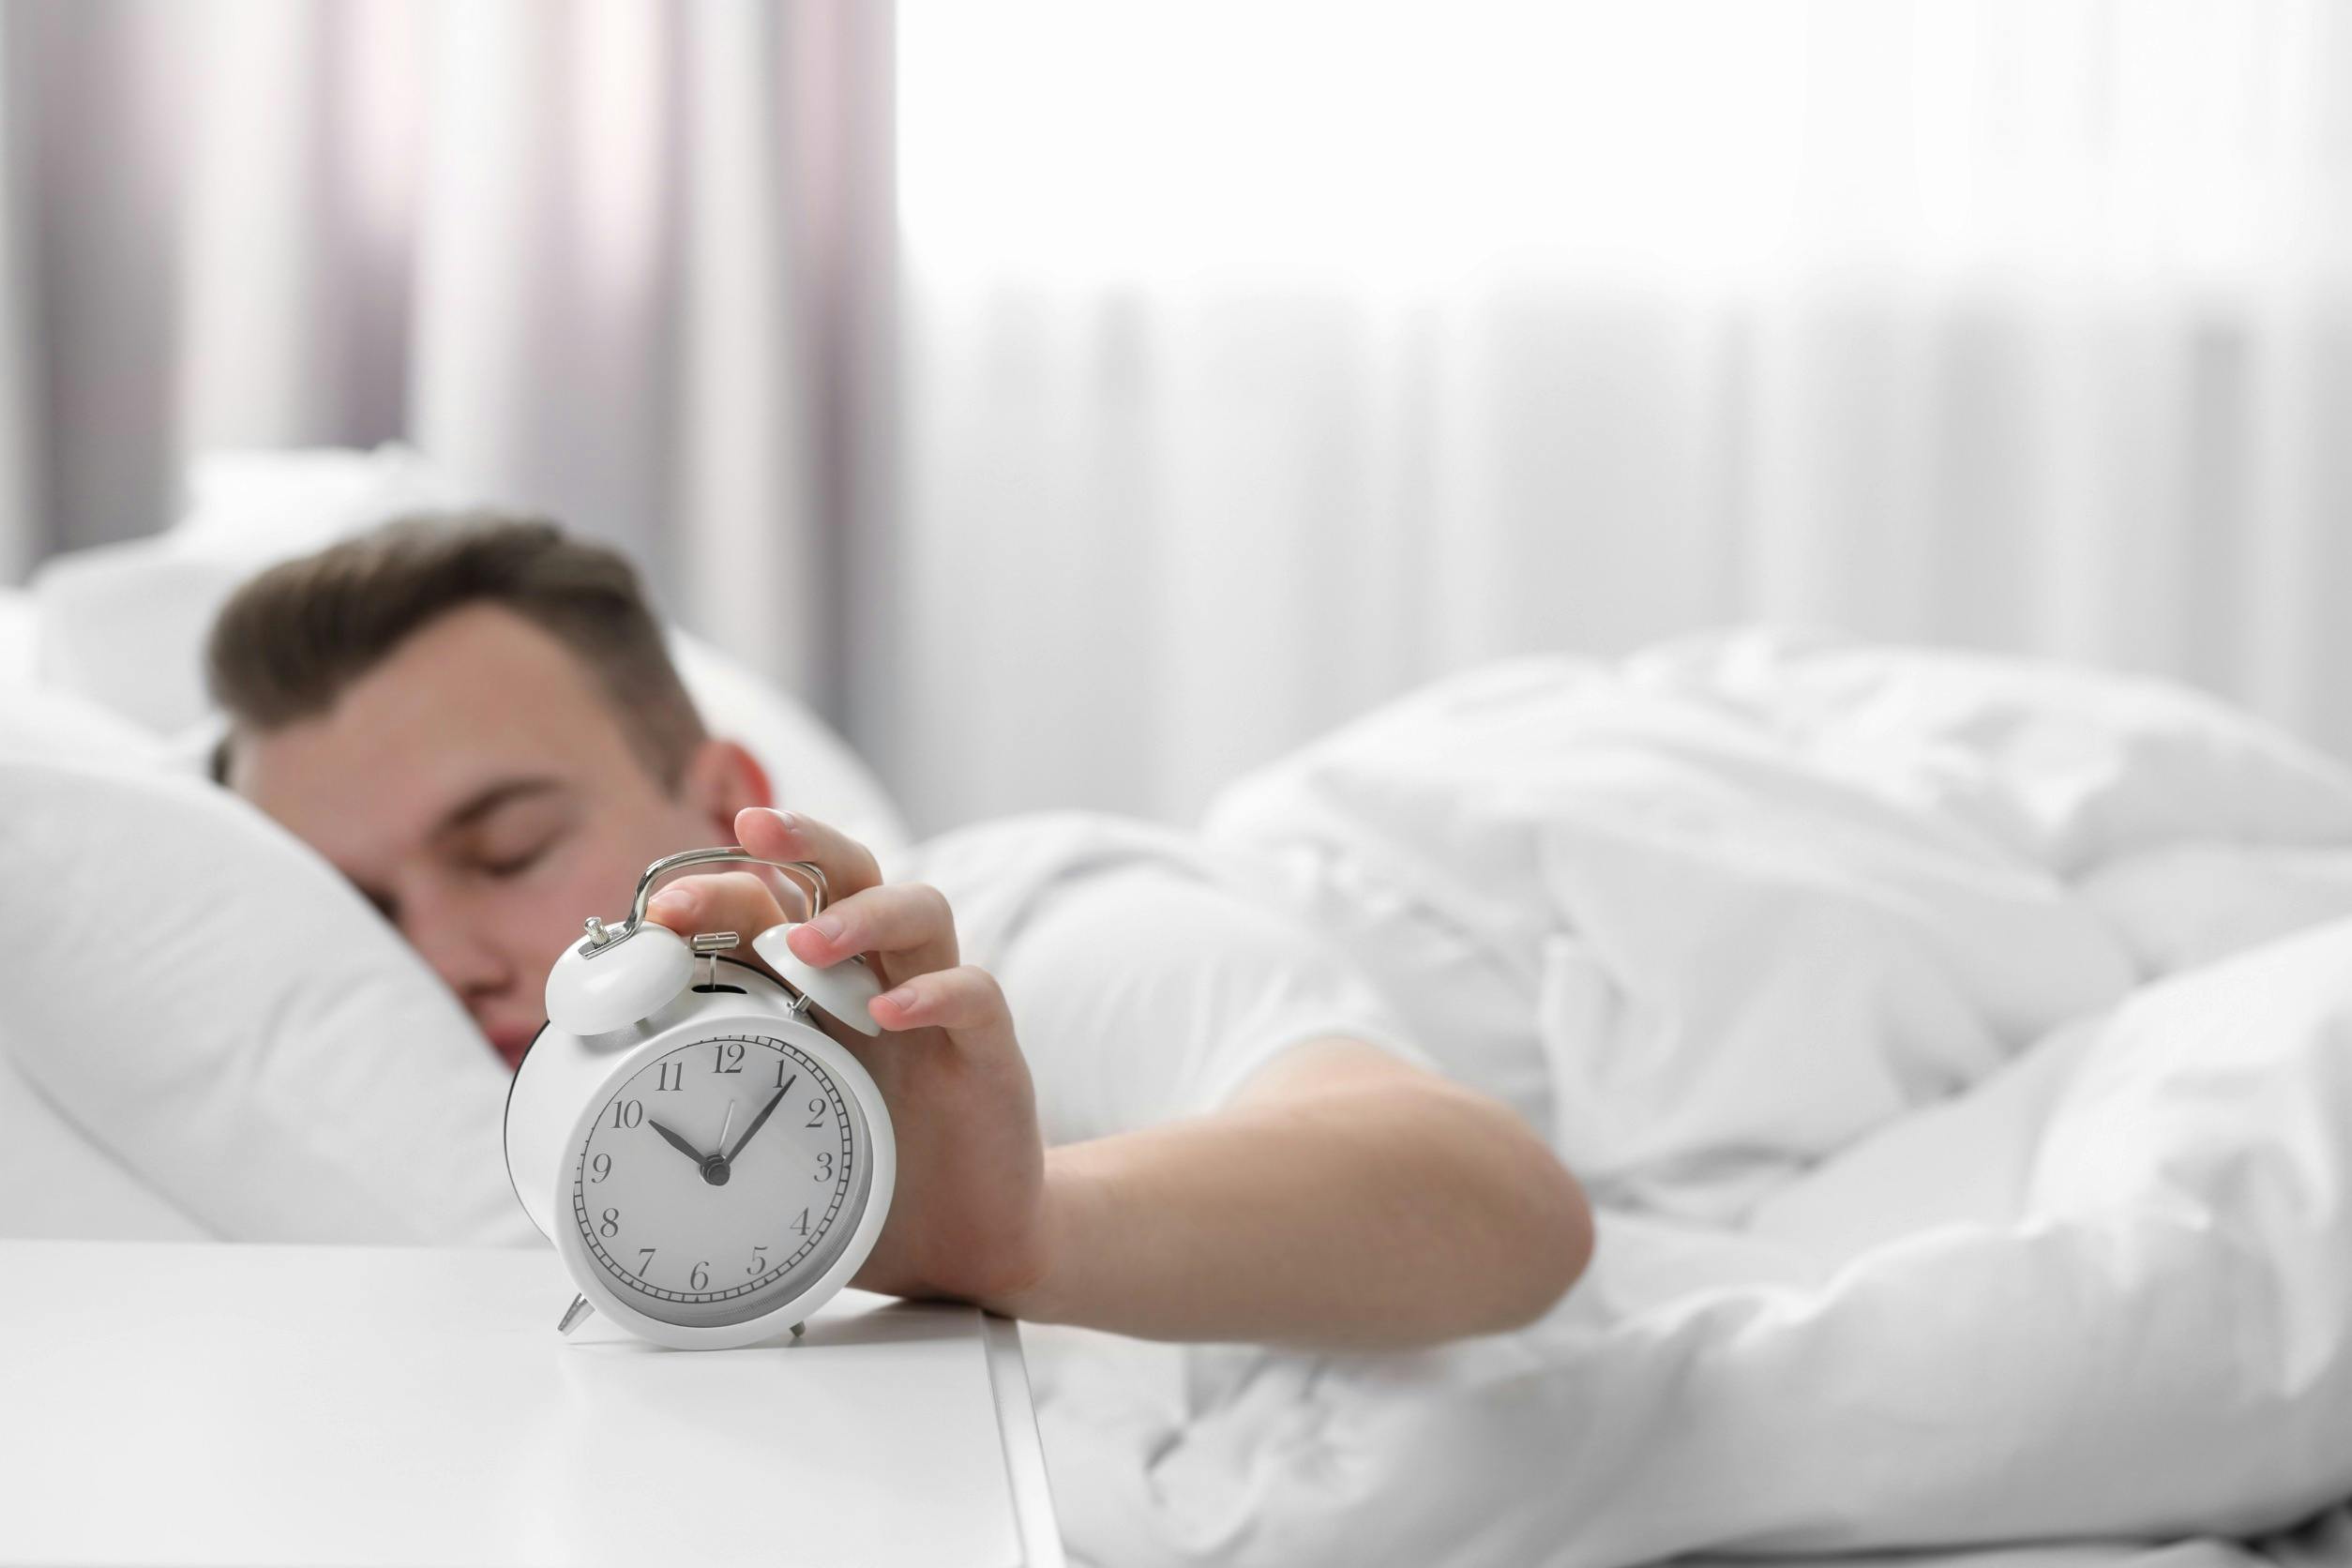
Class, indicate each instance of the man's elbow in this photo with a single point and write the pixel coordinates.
(1568, 1231)
(1551, 1229)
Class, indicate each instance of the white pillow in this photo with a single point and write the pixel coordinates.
(811, 769)
(124, 625)
(57, 1180)
(208, 1002)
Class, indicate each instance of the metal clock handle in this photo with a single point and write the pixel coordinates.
(600, 935)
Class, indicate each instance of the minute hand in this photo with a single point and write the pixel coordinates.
(757, 1122)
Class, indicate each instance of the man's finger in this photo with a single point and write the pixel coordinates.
(965, 1001)
(717, 901)
(849, 865)
(908, 924)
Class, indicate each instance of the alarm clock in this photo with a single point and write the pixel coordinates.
(711, 1165)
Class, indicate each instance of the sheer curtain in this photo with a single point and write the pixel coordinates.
(1261, 359)
(1081, 402)
(606, 258)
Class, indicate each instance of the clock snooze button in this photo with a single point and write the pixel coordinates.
(841, 989)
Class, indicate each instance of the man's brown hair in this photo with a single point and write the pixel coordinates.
(289, 642)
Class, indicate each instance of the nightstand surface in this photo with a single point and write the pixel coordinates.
(170, 1403)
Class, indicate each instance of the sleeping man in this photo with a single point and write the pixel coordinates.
(1165, 1109)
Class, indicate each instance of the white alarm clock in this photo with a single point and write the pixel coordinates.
(711, 1165)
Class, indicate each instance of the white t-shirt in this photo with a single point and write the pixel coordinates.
(1146, 980)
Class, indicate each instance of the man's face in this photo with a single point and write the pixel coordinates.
(477, 786)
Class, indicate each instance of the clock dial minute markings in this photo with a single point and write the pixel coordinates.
(617, 1220)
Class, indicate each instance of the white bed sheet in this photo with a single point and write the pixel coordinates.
(1962, 1052)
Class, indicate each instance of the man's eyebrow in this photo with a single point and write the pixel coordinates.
(488, 798)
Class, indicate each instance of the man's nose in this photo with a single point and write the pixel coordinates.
(467, 962)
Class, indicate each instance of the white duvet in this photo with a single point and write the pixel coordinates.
(1961, 1054)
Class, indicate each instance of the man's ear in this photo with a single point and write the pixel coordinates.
(720, 779)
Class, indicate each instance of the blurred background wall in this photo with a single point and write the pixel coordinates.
(1082, 400)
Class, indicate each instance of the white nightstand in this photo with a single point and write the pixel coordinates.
(193, 1403)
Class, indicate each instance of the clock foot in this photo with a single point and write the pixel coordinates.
(799, 1329)
(573, 1314)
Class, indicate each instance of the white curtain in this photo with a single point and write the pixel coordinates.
(1261, 359)
(1080, 402)
(600, 258)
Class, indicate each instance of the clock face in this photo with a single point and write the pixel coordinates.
(721, 1179)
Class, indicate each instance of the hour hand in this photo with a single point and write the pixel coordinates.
(680, 1144)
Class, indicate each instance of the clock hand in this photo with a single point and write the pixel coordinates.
(757, 1122)
(680, 1144)
(727, 1124)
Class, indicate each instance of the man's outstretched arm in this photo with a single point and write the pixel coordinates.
(1343, 1198)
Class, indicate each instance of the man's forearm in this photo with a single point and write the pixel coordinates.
(1396, 1212)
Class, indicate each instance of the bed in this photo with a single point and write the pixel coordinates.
(1959, 1050)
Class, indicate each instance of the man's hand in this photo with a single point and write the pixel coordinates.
(969, 1217)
